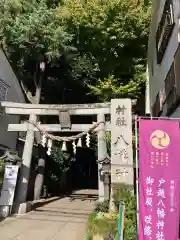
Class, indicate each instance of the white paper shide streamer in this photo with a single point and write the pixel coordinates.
(64, 147)
(74, 146)
(43, 140)
(49, 145)
(88, 140)
(79, 144)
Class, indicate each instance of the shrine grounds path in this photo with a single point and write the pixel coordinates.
(63, 219)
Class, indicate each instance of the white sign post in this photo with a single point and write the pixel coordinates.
(121, 142)
(9, 185)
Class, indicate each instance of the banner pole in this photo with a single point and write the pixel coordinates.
(137, 172)
(121, 221)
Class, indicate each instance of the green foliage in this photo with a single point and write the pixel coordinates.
(115, 34)
(113, 88)
(123, 193)
(100, 224)
(99, 43)
(33, 28)
(62, 162)
(102, 206)
(89, 236)
(61, 158)
(83, 66)
(106, 224)
(30, 32)
(56, 165)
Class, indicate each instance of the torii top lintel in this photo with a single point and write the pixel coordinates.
(54, 109)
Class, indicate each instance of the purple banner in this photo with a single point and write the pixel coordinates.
(159, 179)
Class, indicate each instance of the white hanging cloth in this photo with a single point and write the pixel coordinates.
(49, 145)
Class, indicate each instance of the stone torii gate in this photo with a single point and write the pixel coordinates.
(120, 127)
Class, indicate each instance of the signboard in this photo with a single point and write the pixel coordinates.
(159, 179)
(121, 141)
(9, 185)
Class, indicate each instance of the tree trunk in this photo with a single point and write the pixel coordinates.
(35, 99)
(38, 185)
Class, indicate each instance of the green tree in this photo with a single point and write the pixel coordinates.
(33, 38)
(113, 34)
(32, 34)
(87, 41)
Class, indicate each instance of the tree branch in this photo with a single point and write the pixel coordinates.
(28, 93)
(34, 79)
(37, 96)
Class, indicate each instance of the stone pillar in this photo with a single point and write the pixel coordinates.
(22, 187)
(121, 144)
(102, 152)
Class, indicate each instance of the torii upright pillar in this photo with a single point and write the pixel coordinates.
(102, 152)
(22, 187)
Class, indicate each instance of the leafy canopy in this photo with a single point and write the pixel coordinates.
(33, 28)
(85, 42)
(30, 31)
(114, 35)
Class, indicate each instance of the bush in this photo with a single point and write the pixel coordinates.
(89, 235)
(103, 224)
(102, 206)
(56, 165)
(122, 193)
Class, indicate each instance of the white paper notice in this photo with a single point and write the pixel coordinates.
(9, 185)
